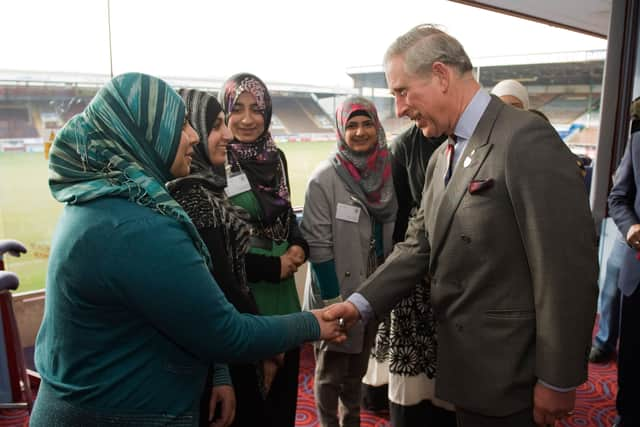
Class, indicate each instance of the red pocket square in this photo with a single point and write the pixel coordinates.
(478, 185)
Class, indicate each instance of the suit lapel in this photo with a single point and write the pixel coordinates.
(448, 198)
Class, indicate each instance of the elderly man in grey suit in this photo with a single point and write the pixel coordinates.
(505, 235)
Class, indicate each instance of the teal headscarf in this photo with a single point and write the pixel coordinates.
(123, 145)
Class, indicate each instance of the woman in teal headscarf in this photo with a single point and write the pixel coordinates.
(133, 317)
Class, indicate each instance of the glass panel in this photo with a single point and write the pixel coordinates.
(55, 55)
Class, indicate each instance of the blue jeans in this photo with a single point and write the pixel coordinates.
(609, 299)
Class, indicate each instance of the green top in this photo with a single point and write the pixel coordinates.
(133, 316)
(272, 298)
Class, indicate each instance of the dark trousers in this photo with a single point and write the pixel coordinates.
(280, 406)
(424, 414)
(628, 400)
(250, 406)
(519, 419)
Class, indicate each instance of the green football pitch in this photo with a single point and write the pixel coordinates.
(28, 212)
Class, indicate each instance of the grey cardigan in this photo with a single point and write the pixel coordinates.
(347, 243)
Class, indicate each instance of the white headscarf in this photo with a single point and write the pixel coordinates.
(513, 88)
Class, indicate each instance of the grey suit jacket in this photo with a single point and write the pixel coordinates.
(513, 265)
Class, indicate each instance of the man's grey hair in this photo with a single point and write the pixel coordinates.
(425, 44)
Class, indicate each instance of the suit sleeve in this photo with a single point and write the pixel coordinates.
(558, 236)
(623, 192)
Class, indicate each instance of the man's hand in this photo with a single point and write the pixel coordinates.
(550, 406)
(226, 397)
(342, 310)
(633, 236)
(330, 330)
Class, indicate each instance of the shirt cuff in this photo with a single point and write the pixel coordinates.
(363, 306)
(221, 375)
(554, 388)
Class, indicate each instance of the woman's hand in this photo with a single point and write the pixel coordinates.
(226, 397)
(270, 367)
(296, 253)
(287, 266)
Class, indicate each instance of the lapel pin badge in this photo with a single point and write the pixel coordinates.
(467, 161)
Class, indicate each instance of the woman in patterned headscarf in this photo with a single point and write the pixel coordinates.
(225, 232)
(258, 182)
(133, 317)
(349, 214)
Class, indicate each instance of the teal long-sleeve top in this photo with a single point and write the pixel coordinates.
(133, 317)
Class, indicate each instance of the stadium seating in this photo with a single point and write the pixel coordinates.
(15, 122)
(297, 114)
(566, 108)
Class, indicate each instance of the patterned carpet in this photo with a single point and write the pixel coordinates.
(595, 405)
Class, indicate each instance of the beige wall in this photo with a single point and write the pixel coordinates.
(29, 308)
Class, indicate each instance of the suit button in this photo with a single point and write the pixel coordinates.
(465, 238)
(459, 327)
(347, 274)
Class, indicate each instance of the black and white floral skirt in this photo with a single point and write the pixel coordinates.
(404, 352)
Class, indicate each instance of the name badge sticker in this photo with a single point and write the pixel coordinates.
(347, 212)
(236, 184)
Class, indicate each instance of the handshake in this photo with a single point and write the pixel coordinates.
(335, 319)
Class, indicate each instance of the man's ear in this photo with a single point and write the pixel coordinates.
(442, 72)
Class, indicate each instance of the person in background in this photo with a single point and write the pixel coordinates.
(349, 212)
(513, 93)
(133, 319)
(224, 230)
(624, 208)
(604, 344)
(513, 277)
(258, 182)
(410, 328)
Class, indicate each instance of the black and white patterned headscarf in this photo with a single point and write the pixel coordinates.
(201, 193)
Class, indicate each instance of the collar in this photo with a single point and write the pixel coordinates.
(471, 115)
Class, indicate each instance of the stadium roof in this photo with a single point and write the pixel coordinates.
(62, 78)
(564, 68)
(586, 16)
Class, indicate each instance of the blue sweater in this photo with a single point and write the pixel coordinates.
(133, 318)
